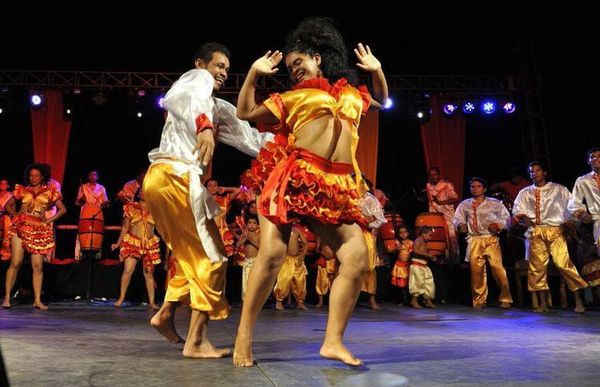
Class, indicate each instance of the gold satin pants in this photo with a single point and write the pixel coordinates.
(196, 277)
(481, 249)
(291, 277)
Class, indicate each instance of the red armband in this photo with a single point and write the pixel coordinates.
(203, 123)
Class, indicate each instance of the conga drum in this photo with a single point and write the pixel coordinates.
(395, 219)
(388, 236)
(91, 227)
(438, 243)
(591, 272)
(311, 238)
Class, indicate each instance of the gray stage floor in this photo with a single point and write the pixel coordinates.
(81, 345)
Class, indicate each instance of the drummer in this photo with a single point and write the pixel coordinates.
(92, 198)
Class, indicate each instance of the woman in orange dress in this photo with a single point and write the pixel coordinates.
(30, 230)
(310, 179)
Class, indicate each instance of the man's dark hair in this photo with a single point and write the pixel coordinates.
(479, 179)
(205, 51)
(594, 149)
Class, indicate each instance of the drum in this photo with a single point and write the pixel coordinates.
(388, 236)
(311, 238)
(591, 272)
(439, 239)
(91, 227)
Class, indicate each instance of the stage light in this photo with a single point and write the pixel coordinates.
(469, 107)
(450, 109)
(389, 103)
(160, 100)
(509, 107)
(139, 114)
(141, 93)
(488, 106)
(36, 100)
(5, 105)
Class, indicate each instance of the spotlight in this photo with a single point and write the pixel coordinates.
(488, 106)
(141, 93)
(389, 103)
(160, 100)
(36, 100)
(5, 105)
(421, 109)
(509, 107)
(139, 114)
(469, 107)
(450, 109)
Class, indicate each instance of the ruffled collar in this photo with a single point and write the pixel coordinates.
(323, 84)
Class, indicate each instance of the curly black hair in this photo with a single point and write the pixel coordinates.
(44, 170)
(319, 35)
(205, 51)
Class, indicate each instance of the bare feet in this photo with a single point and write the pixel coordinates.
(415, 303)
(206, 351)
(40, 306)
(429, 304)
(505, 305)
(153, 306)
(118, 303)
(279, 305)
(164, 323)
(579, 309)
(479, 306)
(374, 306)
(6, 303)
(301, 305)
(341, 353)
(542, 309)
(242, 353)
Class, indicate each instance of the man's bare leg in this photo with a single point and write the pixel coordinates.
(164, 322)
(197, 345)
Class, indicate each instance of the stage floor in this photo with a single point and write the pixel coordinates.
(77, 344)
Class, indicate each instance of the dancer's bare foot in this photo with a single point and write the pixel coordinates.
(153, 306)
(242, 353)
(579, 309)
(505, 305)
(6, 304)
(164, 323)
(542, 309)
(320, 303)
(206, 351)
(479, 306)
(374, 305)
(415, 303)
(429, 304)
(279, 305)
(118, 303)
(40, 306)
(341, 353)
(301, 305)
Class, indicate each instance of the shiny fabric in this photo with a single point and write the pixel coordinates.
(481, 249)
(166, 192)
(401, 269)
(444, 190)
(246, 267)
(315, 98)
(147, 251)
(586, 197)
(487, 212)
(369, 284)
(291, 277)
(420, 280)
(127, 193)
(306, 184)
(325, 276)
(543, 242)
(95, 195)
(551, 207)
(370, 206)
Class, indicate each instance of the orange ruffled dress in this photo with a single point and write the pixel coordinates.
(136, 243)
(36, 236)
(294, 182)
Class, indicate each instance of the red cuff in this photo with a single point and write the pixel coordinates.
(202, 123)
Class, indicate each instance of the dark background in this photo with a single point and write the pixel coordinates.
(422, 38)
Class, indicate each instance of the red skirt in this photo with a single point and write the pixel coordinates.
(36, 236)
(296, 183)
(146, 251)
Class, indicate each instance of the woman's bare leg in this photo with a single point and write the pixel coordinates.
(37, 265)
(149, 277)
(128, 269)
(271, 254)
(16, 261)
(351, 250)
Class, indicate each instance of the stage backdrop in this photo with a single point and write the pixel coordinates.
(444, 144)
(51, 134)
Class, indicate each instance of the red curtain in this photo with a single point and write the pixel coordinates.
(444, 144)
(51, 134)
